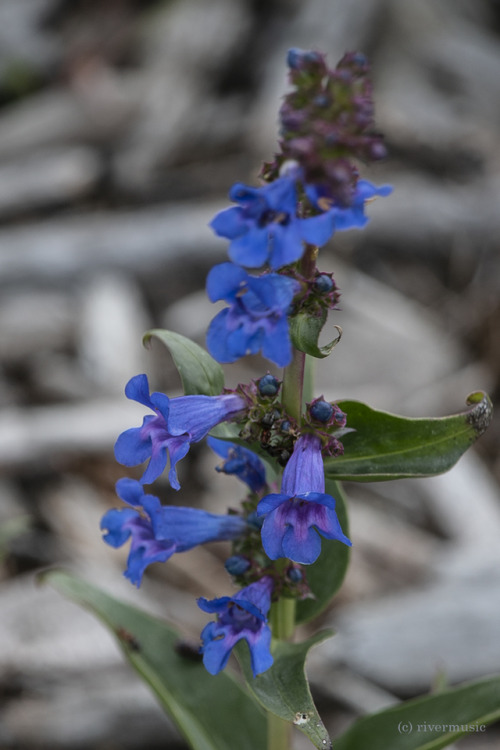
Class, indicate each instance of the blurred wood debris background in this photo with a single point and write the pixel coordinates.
(122, 126)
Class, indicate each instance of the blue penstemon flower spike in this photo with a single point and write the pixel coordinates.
(243, 616)
(156, 532)
(177, 423)
(256, 319)
(294, 518)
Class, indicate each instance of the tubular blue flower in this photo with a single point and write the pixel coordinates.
(294, 518)
(177, 423)
(264, 227)
(243, 616)
(351, 216)
(241, 462)
(159, 531)
(256, 318)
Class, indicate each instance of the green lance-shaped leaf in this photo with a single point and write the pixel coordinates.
(213, 713)
(284, 690)
(305, 330)
(326, 575)
(199, 372)
(385, 446)
(428, 723)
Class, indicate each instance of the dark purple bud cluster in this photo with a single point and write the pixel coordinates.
(332, 420)
(324, 283)
(326, 121)
(318, 294)
(322, 294)
(269, 385)
(333, 447)
(321, 410)
(327, 412)
(266, 421)
(295, 574)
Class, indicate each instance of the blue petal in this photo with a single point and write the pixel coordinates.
(214, 605)
(243, 342)
(224, 281)
(318, 498)
(271, 502)
(229, 223)
(251, 249)
(137, 389)
(349, 218)
(272, 533)
(221, 447)
(304, 471)
(115, 521)
(144, 555)
(366, 190)
(276, 346)
(196, 415)
(217, 339)
(178, 448)
(191, 526)
(302, 544)
(241, 462)
(132, 447)
(330, 527)
(161, 404)
(274, 291)
(257, 594)
(154, 509)
(216, 651)
(130, 491)
(281, 195)
(317, 230)
(245, 194)
(260, 650)
(286, 245)
(156, 465)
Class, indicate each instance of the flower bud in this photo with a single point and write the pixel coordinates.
(270, 418)
(323, 283)
(269, 385)
(377, 150)
(298, 59)
(321, 410)
(237, 565)
(295, 575)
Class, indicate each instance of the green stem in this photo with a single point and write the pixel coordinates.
(309, 373)
(293, 376)
(283, 611)
(283, 618)
(293, 383)
(279, 731)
